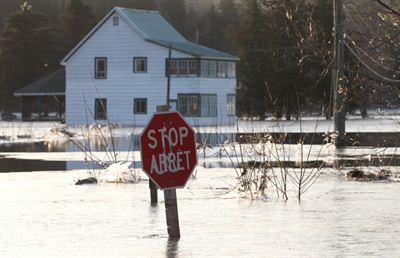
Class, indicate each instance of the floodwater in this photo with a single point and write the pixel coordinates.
(44, 215)
(97, 143)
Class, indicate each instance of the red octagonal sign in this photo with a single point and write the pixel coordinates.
(168, 150)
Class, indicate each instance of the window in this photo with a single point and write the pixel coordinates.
(100, 109)
(222, 69)
(208, 68)
(188, 104)
(173, 67)
(140, 64)
(208, 104)
(100, 68)
(231, 70)
(205, 68)
(140, 106)
(219, 69)
(193, 67)
(115, 21)
(183, 67)
(231, 104)
(197, 104)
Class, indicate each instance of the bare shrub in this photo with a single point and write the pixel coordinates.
(266, 160)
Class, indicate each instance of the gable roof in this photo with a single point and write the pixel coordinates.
(152, 27)
(49, 85)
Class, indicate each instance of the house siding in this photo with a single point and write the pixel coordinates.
(120, 44)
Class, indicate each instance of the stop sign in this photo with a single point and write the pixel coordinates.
(168, 150)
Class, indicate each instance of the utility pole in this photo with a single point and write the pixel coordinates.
(338, 87)
(164, 108)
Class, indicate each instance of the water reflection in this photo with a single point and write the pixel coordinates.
(26, 165)
(131, 142)
(172, 248)
(119, 143)
(8, 165)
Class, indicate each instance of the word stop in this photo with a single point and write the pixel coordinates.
(166, 158)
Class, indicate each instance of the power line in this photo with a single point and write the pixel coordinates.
(368, 67)
(370, 57)
(381, 41)
(388, 7)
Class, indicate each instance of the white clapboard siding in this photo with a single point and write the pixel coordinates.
(120, 44)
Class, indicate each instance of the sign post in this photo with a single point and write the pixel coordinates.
(168, 151)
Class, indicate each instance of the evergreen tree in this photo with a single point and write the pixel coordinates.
(193, 26)
(138, 4)
(322, 19)
(230, 21)
(211, 32)
(76, 21)
(26, 52)
(287, 28)
(144, 5)
(175, 13)
(252, 42)
(282, 58)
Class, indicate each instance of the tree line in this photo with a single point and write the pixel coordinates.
(285, 46)
(286, 57)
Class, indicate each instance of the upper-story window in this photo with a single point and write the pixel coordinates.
(208, 68)
(140, 64)
(115, 21)
(204, 68)
(100, 68)
(219, 69)
(183, 67)
(231, 70)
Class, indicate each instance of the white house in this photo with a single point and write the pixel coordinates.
(118, 73)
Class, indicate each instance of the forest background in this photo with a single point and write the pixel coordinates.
(285, 47)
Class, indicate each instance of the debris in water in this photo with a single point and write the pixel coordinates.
(86, 181)
(24, 136)
(360, 175)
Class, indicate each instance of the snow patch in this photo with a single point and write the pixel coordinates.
(119, 173)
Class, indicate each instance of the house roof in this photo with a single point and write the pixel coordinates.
(51, 84)
(196, 50)
(152, 27)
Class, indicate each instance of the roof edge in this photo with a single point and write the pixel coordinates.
(131, 24)
(136, 29)
(117, 10)
(166, 45)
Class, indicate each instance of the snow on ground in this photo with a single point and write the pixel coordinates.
(26, 131)
(378, 121)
